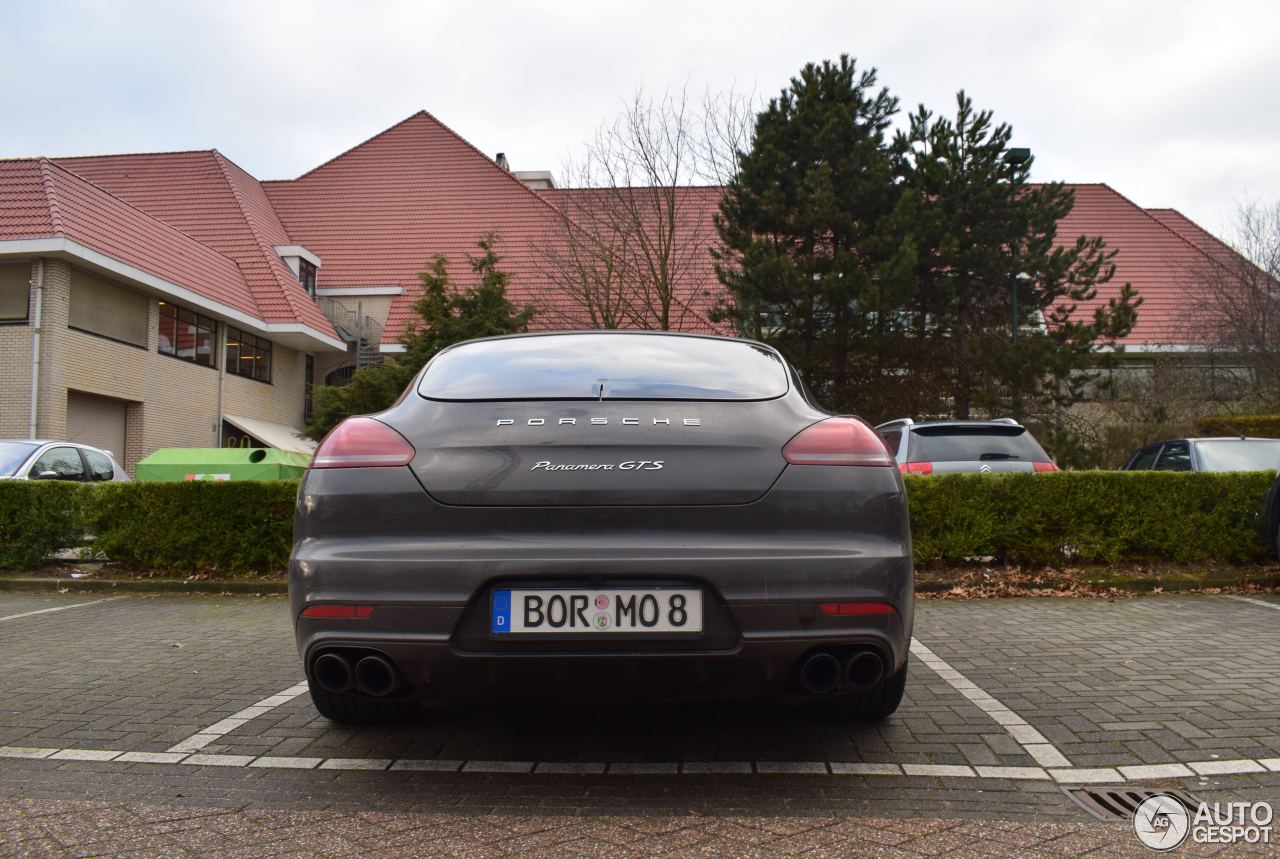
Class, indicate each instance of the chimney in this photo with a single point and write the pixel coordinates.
(501, 161)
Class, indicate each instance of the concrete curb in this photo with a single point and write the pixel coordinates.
(142, 586)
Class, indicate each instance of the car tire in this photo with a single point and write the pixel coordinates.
(352, 708)
(877, 703)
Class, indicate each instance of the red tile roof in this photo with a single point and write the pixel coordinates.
(76, 209)
(210, 198)
(377, 213)
(1158, 261)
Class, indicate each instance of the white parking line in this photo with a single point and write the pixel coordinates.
(1263, 603)
(1117, 773)
(58, 608)
(1032, 741)
(220, 729)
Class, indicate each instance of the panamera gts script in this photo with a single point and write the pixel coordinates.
(599, 422)
(629, 465)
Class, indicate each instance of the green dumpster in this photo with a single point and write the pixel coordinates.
(222, 463)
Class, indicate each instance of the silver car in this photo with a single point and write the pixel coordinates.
(948, 446)
(603, 515)
(41, 459)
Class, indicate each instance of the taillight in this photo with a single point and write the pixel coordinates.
(362, 443)
(837, 441)
(916, 468)
(338, 612)
(1045, 466)
(851, 608)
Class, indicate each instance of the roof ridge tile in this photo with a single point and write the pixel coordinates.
(51, 196)
(267, 249)
(455, 135)
(351, 149)
(53, 164)
(1146, 213)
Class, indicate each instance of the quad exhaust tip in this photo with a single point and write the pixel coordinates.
(375, 675)
(863, 669)
(332, 672)
(820, 673)
(371, 674)
(823, 672)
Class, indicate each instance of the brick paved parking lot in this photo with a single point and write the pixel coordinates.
(174, 725)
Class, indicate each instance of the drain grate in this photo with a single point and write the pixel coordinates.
(1119, 803)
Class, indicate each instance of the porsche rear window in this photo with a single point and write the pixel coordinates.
(608, 366)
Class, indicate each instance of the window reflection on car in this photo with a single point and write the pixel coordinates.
(13, 454)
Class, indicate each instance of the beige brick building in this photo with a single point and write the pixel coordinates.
(123, 332)
(130, 397)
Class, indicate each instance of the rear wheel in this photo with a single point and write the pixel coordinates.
(352, 708)
(878, 702)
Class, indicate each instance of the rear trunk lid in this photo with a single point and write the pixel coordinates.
(597, 452)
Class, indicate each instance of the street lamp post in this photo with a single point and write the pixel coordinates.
(1015, 158)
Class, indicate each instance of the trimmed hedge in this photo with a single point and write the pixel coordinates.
(229, 527)
(37, 518)
(1067, 517)
(1259, 426)
(1089, 517)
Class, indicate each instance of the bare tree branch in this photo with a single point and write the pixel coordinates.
(1237, 306)
(635, 228)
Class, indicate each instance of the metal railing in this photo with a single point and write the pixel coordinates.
(363, 332)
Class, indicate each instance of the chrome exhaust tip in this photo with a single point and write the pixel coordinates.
(332, 672)
(820, 673)
(375, 675)
(863, 670)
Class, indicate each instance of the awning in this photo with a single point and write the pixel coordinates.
(279, 436)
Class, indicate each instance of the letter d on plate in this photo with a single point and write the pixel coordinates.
(500, 619)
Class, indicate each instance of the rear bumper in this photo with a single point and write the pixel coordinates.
(757, 669)
(822, 535)
(752, 652)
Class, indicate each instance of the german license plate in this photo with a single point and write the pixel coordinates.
(560, 611)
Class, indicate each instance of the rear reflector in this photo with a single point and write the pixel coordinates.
(837, 441)
(362, 443)
(916, 468)
(847, 608)
(341, 612)
(1045, 466)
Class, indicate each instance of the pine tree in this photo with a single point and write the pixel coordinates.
(917, 277)
(812, 255)
(445, 316)
(995, 314)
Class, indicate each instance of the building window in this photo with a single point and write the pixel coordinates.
(248, 355)
(15, 291)
(107, 309)
(307, 277)
(186, 334)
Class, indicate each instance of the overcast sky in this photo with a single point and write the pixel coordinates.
(1172, 103)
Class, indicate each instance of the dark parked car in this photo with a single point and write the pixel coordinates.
(944, 446)
(40, 459)
(1207, 454)
(605, 516)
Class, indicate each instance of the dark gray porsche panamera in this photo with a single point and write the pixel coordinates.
(606, 516)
